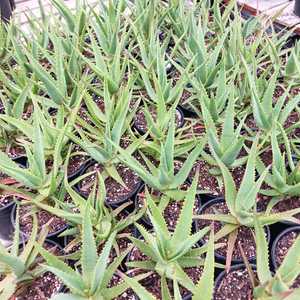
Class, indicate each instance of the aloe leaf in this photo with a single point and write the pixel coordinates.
(140, 291)
(15, 263)
(230, 189)
(67, 297)
(247, 193)
(165, 292)
(184, 223)
(184, 171)
(54, 261)
(189, 242)
(159, 223)
(12, 169)
(66, 13)
(22, 125)
(51, 85)
(149, 248)
(72, 280)
(89, 249)
(132, 163)
(205, 287)
(289, 270)
(101, 265)
(19, 104)
(38, 145)
(262, 260)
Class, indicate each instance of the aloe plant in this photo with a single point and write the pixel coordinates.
(104, 220)
(163, 177)
(228, 145)
(164, 96)
(109, 126)
(91, 282)
(283, 179)
(18, 264)
(242, 203)
(205, 63)
(278, 285)
(170, 253)
(265, 113)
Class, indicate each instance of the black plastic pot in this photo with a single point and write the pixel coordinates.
(115, 204)
(178, 109)
(297, 8)
(283, 233)
(21, 160)
(79, 171)
(24, 236)
(6, 9)
(220, 258)
(6, 228)
(233, 268)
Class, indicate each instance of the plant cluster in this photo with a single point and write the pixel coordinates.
(149, 150)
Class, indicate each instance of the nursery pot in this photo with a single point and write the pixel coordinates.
(113, 204)
(6, 8)
(21, 160)
(219, 257)
(297, 8)
(223, 274)
(58, 289)
(26, 236)
(73, 175)
(276, 241)
(6, 227)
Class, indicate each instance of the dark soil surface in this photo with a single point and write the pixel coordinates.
(288, 204)
(209, 183)
(16, 151)
(83, 114)
(76, 161)
(43, 216)
(43, 287)
(245, 235)
(292, 120)
(282, 248)
(206, 181)
(234, 285)
(114, 191)
(2, 109)
(5, 200)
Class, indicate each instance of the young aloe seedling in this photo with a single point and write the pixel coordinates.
(228, 145)
(109, 126)
(36, 176)
(283, 179)
(205, 61)
(19, 266)
(91, 282)
(104, 220)
(169, 253)
(265, 113)
(242, 204)
(164, 96)
(163, 177)
(279, 285)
